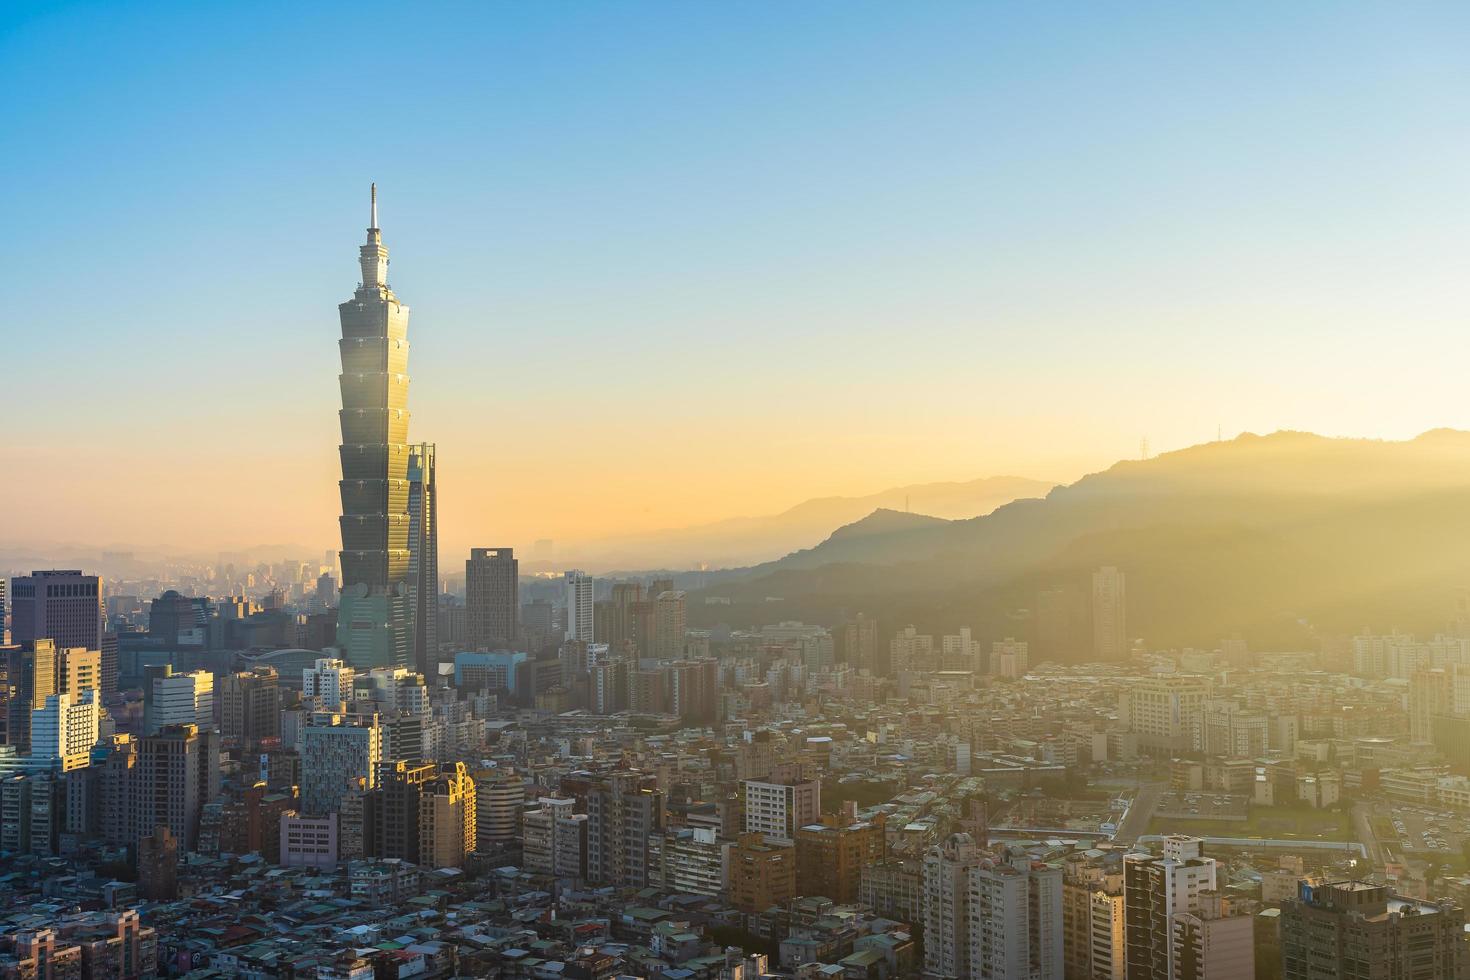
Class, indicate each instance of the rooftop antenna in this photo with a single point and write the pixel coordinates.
(375, 207)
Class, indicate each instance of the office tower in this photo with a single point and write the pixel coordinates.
(64, 728)
(177, 699)
(336, 758)
(860, 644)
(163, 779)
(1109, 614)
(109, 663)
(668, 624)
(78, 669)
(762, 874)
(423, 557)
(1165, 711)
(447, 821)
(30, 673)
(63, 606)
(1015, 911)
(623, 809)
(499, 796)
(374, 615)
(1354, 929)
(177, 620)
(947, 905)
(329, 683)
(392, 817)
(777, 809)
(492, 598)
(831, 854)
(579, 606)
(250, 706)
(1155, 889)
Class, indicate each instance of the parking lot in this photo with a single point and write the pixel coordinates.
(1428, 833)
(1196, 805)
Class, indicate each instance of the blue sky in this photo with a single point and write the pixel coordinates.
(785, 249)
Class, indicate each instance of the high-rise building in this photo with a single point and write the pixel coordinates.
(164, 779)
(1213, 942)
(79, 669)
(250, 706)
(328, 684)
(623, 809)
(694, 690)
(1015, 911)
(447, 822)
(337, 757)
(860, 644)
(500, 794)
(1009, 657)
(777, 809)
(831, 854)
(1092, 916)
(762, 874)
(61, 605)
(109, 663)
(64, 728)
(1166, 711)
(947, 905)
(30, 678)
(538, 624)
(393, 809)
(4, 612)
(1358, 930)
(177, 699)
(492, 598)
(1109, 614)
(375, 615)
(668, 624)
(423, 556)
(1155, 890)
(579, 586)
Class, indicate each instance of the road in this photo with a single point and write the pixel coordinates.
(1364, 830)
(1140, 813)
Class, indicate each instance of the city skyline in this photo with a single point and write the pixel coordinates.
(913, 266)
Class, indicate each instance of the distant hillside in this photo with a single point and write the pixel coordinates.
(1263, 534)
(742, 541)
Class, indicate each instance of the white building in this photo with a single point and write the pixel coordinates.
(776, 810)
(946, 903)
(579, 605)
(1166, 712)
(1015, 913)
(1155, 890)
(329, 683)
(64, 729)
(178, 699)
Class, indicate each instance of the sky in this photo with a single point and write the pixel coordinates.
(674, 262)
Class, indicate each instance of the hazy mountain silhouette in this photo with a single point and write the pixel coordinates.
(1259, 534)
(740, 541)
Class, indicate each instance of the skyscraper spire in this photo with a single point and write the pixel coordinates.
(374, 225)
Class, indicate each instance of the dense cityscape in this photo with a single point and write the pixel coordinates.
(334, 766)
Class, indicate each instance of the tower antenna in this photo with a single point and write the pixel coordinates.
(375, 207)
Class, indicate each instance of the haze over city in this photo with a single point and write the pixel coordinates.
(673, 264)
(761, 491)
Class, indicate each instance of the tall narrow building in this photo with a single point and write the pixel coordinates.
(423, 556)
(492, 599)
(375, 616)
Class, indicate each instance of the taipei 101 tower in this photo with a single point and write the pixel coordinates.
(374, 618)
